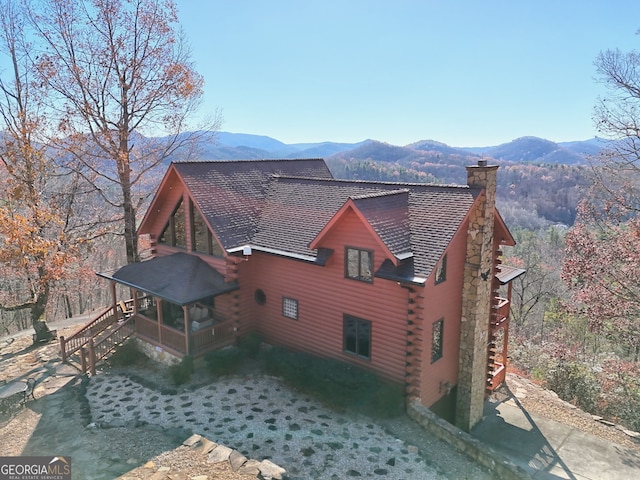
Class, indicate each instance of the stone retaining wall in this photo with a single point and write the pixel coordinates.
(486, 456)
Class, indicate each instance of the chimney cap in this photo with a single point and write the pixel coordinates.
(482, 162)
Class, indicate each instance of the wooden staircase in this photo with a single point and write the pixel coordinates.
(498, 336)
(497, 344)
(97, 339)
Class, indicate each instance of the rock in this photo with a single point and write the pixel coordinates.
(236, 459)
(270, 470)
(192, 440)
(250, 468)
(631, 433)
(207, 446)
(219, 454)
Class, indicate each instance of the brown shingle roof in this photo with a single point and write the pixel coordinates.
(388, 215)
(230, 194)
(282, 205)
(296, 209)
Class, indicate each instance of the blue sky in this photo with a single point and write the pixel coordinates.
(466, 73)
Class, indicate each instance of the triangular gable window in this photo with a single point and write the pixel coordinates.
(175, 232)
(203, 239)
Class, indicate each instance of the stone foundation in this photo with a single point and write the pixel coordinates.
(157, 353)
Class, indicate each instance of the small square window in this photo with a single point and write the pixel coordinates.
(441, 270)
(290, 308)
(436, 340)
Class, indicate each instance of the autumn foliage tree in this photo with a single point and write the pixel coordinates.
(123, 88)
(602, 264)
(35, 245)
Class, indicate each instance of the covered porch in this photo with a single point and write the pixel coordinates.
(173, 304)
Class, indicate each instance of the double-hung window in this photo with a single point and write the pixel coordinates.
(358, 264)
(356, 336)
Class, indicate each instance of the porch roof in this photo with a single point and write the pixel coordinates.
(507, 273)
(179, 278)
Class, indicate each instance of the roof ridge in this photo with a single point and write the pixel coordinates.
(372, 182)
(386, 193)
(247, 160)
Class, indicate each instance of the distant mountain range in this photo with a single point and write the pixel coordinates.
(236, 146)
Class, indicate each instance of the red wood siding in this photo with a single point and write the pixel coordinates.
(324, 295)
(443, 300)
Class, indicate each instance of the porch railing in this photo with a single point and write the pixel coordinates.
(201, 341)
(218, 336)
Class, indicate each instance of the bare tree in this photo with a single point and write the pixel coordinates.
(602, 262)
(617, 118)
(35, 242)
(539, 252)
(123, 90)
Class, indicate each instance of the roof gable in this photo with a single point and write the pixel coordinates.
(297, 210)
(230, 194)
(384, 214)
(505, 237)
(287, 206)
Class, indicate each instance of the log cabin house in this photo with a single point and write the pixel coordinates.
(400, 279)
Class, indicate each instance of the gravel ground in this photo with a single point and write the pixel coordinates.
(123, 447)
(56, 423)
(262, 418)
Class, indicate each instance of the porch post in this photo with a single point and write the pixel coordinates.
(159, 315)
(186, 328)
(135, 300)
(114, 298)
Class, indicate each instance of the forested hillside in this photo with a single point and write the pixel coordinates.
(530, 194)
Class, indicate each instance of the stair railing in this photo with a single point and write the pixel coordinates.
(80, 338)
(94, 351)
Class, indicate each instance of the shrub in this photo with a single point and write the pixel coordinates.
(250, 345)
(337, 384)
(180, 373)
(620, 396)
(224, 362)
(575, 383)
(127, 354)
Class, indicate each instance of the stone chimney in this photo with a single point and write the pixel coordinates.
(476, 298)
